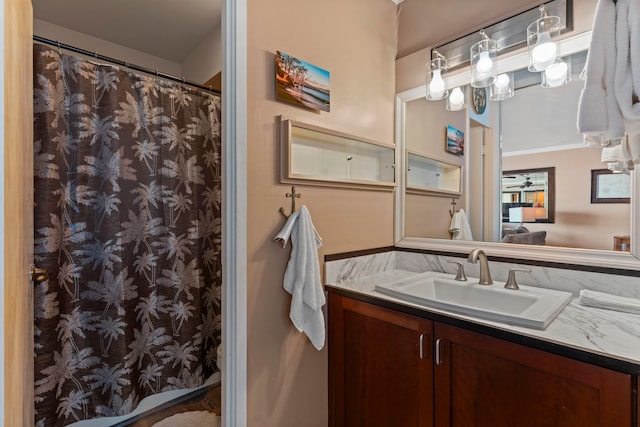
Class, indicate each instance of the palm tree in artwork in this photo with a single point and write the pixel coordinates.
(180, 203)
(58, 239)
(110, 167)
(150, 376)
(102, 130)
(148, 195)
(109, 378)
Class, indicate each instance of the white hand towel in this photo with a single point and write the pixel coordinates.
(459, 227)
(609, 302)
(302, 280)
(284, 234)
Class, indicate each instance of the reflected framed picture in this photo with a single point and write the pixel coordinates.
(455, 141)
(610, 187)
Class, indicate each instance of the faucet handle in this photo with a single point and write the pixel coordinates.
(511, 280)
(460, 275)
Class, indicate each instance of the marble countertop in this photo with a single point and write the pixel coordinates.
(607, 333)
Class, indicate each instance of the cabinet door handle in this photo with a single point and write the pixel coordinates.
(422, 353)
(439, 360)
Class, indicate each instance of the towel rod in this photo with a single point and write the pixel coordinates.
(293, 196)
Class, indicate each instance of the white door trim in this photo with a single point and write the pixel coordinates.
(234, 147)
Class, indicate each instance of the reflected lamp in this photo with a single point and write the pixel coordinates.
(456, 100)
(541, 36)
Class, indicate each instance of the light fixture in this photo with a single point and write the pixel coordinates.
(557, 74)
(455, 101)
(436, 86)
(541, 35)
(502, 88)
(483, 61)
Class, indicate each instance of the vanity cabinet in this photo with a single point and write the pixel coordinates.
(379, 377)
(485, 381)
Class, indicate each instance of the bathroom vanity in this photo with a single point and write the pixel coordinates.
(392, 362)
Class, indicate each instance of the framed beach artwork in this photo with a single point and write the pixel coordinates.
(455, 141)
(301, 83)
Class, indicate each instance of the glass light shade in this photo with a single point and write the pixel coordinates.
(455, 101)
(436, 86)
(557, 74)
(483, 62)
(502, 88)
(541, 35)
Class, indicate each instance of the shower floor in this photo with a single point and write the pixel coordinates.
(208, 399)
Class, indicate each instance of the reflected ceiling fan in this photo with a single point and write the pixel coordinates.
(526, 184)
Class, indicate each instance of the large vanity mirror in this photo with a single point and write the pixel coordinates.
(526, 172)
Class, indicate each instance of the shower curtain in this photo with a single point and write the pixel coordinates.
(127, 224)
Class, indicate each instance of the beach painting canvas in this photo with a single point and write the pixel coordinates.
(455, 141)
(301, 83)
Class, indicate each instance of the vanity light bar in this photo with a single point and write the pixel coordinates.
(510, 33)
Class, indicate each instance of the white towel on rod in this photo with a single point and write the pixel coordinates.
(459, 227)
(302, 279)
(609, 302)
(599, 116)
(608, 108)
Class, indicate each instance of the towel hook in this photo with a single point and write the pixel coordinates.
(293, 196)
(453, 207)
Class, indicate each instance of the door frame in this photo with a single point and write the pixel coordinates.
(16, 212)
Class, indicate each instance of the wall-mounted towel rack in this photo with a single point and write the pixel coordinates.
(293, 196)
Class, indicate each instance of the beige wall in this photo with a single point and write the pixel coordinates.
(355, 41)
(578, 222)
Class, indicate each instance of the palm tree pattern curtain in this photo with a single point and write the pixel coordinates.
(127, 223)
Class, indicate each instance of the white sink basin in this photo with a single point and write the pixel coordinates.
(528, 306)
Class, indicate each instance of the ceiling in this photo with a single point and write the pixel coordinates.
(169, 29)
(424, 23)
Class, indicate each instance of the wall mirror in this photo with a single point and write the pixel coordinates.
(531, 190)
(519, 136)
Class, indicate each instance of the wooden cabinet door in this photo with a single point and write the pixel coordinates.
(380, 366)
(484, 381)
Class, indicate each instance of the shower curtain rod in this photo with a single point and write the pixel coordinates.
(122, 63)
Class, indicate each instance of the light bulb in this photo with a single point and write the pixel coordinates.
(436, 86)
(456, 99)
(502, 82)
(484, 64)
(544, 52)
(556, 74)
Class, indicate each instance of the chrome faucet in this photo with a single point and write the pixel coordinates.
(485, 274)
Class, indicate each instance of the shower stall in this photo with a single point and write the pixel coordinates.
(127, 171)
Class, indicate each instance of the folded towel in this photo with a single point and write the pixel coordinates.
(609, 302)
(302, 280)
(459, 227)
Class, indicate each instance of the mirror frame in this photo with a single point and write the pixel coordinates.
(550, 254)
